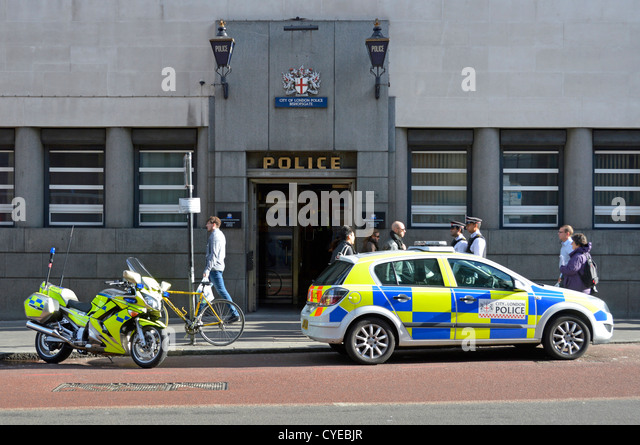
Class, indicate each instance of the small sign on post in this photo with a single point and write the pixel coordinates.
(189, 205)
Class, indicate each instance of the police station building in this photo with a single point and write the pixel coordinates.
(301, 117)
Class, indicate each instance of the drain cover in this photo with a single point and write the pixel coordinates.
(120, 387)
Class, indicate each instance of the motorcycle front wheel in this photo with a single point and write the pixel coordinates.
(153, 350)
(52, 351)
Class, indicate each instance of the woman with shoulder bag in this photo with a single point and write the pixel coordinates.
(344, 244)
(574, 269)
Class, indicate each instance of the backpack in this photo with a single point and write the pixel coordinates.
(590, 273)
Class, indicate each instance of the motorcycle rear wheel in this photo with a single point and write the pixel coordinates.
(52, 352)
(155, 349)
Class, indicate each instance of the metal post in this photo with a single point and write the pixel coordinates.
(189, 187)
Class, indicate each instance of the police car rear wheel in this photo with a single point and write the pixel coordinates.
(567, 338)
(370, 342)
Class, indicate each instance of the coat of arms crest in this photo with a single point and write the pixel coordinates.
(301, 82)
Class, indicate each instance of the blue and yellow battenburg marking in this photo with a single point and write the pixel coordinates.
(36, 302)
(495, 314)
(454, 313)
(426, 313)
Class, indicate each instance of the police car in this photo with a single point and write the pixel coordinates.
(369, 304)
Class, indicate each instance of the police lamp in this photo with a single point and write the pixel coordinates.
(377, 46)
(222, 46)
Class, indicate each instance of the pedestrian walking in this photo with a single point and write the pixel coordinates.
(343, 244)
(398, 231)
(564, 235)
(477, 244)
(574, 269)
(214, 261)
(370, 243)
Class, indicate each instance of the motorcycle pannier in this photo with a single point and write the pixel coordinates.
(41, 308)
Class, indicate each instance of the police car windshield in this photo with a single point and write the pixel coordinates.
(334, 274)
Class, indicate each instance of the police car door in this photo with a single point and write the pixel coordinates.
(415, 291)
(488, 307)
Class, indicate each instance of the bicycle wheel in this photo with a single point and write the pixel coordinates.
(274, 282)
(220, 326)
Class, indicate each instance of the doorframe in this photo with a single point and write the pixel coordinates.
(252, 223)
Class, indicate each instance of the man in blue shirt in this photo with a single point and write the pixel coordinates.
(564, 235)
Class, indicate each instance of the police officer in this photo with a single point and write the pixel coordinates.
(477, 245)
(459, 242)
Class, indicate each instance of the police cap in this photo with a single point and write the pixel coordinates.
(473, 220)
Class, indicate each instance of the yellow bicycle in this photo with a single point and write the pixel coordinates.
(218, 321)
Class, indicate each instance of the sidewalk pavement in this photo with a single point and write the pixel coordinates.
(269, 330)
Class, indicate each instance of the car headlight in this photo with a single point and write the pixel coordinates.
(600, 304)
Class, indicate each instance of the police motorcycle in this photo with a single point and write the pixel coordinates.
(123, 320)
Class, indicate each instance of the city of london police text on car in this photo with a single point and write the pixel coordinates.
(368, 304)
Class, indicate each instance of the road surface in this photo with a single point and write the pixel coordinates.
(490, 385)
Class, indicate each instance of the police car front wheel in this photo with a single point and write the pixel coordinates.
(566, 338)
(370, 341)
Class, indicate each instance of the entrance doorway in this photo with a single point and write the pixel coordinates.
(290, 257)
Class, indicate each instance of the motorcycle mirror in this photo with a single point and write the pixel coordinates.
(164, 286)
(132, 277)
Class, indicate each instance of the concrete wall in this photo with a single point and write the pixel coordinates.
(99, 255)
(95, 256)
(248, 121)
(98, 63)
(538, 63)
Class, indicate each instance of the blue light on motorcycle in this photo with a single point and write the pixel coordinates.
(130, 300)
(140, 286)
(165, 294)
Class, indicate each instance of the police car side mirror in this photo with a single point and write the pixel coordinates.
(519, 286)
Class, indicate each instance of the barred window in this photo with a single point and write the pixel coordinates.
(6, 186)
(161, 184)
(617, 188)
(76, 186)
(438, 187)
(439, 175)
(530, 188)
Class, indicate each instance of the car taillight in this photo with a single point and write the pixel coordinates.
(333, 296)
(314, 294)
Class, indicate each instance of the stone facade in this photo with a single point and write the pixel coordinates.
(544, 65)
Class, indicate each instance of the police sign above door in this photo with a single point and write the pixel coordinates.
(301, 162)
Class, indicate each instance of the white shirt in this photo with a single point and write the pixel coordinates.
(479, 246)
(216, 251)
(461, 246)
